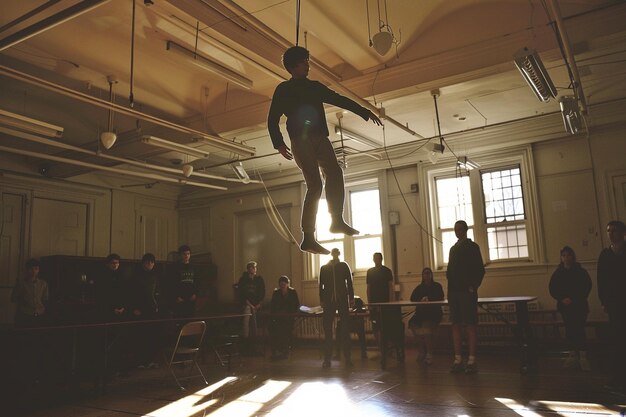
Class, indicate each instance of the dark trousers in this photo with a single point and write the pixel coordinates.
(617, 341)
(355, 325)
(575, 320)
(343, 335)
(280, 329)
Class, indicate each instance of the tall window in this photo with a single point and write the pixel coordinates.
(491, 201)
(363, 213)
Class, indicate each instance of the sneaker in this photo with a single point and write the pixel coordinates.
(470, 368)
(326, 364)
(457, 368)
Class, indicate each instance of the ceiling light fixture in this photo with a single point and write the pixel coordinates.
(209, 65)
(571, 114)
(30, 125)
(532, 69)
(466, 163)
(229, 146)
(109, 137)
(173, 146)
(356, 137)
(241, 172)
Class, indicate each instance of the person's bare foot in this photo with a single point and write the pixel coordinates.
(313, 246)
(343, 227)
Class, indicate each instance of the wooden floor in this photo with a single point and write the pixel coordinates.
(299, 387)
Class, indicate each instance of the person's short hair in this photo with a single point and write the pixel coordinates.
(148, 257)
(183, 248)
(378, 254)
(31, 263)
(618, 224)
(249, 264)
(293, 55)
(427, 268)
(462, 223)
(284, 278)
(112, 257)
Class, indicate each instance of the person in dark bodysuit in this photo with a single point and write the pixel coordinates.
(302, 101)
(336, 295)
(184, 284)
(284, 305)
(426, 318)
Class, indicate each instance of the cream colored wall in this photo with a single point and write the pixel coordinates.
(221, 227)
(110, 213)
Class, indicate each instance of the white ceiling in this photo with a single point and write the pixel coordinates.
(463, 48)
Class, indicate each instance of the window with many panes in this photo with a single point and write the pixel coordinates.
(363, 212)
(491, 201)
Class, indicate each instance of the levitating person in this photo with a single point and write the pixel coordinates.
(570, 286)
(302, 101)
(336, 295)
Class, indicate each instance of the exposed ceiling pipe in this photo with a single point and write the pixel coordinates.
(578, 87)
(28, 15)
(109, 169)
(146, 165)
(326, 74)
(50, 22)
(218, 142)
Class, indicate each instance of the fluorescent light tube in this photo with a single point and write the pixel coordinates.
(229, 146)
(356, 137)
(466, 163)
(173, 146)
(30, 125)
(530, 66)
(241, 173)
(209, 65)
(571, 114)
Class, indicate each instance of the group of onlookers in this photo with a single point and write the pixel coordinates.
(143, 296)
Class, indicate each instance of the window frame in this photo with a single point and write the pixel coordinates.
(349, 256)
(491, 161)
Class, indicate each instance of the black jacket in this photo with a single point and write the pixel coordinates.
(571, 283)
(336, 284)
(465, 266)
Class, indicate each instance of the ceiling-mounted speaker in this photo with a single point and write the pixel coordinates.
(187, 170)
(108, 139)
(382, 42)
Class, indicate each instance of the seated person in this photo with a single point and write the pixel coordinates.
(284, 304)
(31, 296)
(357, 325)
(426, 318)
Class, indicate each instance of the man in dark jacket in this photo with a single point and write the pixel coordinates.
(336, 295)
(302, 101)
(465, 274)
(611, 289)
(251, 288)
(184, 281)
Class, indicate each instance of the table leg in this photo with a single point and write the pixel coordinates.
(525, 338)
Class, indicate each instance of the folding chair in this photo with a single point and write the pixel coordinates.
(187, 348)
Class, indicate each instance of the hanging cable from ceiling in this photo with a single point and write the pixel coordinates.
(131, 97)
(297, 21)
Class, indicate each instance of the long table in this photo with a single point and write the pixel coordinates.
(102, 332)
(521, 327)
